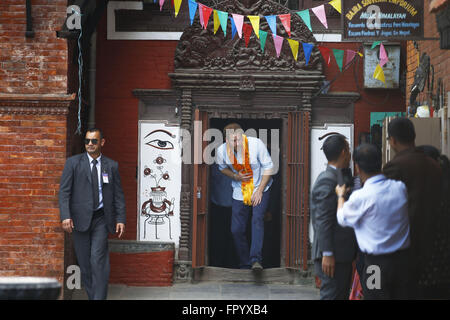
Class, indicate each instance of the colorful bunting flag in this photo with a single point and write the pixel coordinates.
(206, 14)
(200, 14)
(272, 21)
(306, 18)
(177, 5)
(239, 21)
(294, 48)
(192, 9)
(374, 44)
(320, 13)
(216, 21)
(379, 74)
(339, 56)
(233, 28)
(278, 41)
(383, 56)
(255, 23)
(325, 54)
(336, 4)
(286, 21)
(223, 17)
(247, 33)
(307, 49)
(262, 39)
(349, 56)
(161, 3)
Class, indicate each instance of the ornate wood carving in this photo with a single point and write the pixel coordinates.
(35, 104)
(201, 49)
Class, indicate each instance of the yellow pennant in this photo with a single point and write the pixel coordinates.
(379, 74)
(360, 54)
(255, 24)
(336, 4)
(177, 7)
(216, 21)
(294, 48)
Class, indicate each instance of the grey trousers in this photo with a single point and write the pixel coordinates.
(338, 287)
(91, 249)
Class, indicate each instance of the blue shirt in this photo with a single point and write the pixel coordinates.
(260, 161)
(221, 190)
(379, 214)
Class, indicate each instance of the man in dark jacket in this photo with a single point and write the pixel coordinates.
(422, 177)
(334, 247)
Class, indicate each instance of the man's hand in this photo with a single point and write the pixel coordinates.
(67, 225)
(328, 264)
(120, 227)
(241, 176)
(257, 197)
(341, 191)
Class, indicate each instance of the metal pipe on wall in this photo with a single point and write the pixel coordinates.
(92, 76)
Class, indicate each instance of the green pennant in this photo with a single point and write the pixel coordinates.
(375, 44)
(262, 39)
(306, 18)
(339, 56)
(223, 18)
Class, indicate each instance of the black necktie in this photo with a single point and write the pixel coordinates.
(94, 174)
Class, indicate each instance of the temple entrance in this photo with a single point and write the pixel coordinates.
(221, 251)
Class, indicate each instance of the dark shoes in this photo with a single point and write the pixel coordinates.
(256, 266)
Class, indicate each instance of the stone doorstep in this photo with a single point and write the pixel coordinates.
(130, 246)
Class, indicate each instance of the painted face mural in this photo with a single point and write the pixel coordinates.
(159, 183)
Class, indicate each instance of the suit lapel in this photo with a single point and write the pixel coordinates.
(86, 166)
(105, 169)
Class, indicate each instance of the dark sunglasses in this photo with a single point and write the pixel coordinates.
(94, 141)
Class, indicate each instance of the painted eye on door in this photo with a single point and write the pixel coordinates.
(160, 144)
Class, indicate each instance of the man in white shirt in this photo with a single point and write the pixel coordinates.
(247, 162)
(379, 215)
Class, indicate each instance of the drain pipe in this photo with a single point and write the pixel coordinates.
(92, 76)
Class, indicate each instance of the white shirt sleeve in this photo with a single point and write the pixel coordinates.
(352, 211)
(220, 160)
(264, 156)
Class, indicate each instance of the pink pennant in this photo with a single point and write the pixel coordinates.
(200, 13)
(238, 21)
(320, 13)
(161, 3)
(383, 56)
(206, 14)
(278, 41)
(286, 21)
(349, 55)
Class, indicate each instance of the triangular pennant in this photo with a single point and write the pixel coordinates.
(306, 18)
(177, 4)
(254, 20)
(233, 28)
(206, 14)
(272, 21)
(200, 14)
(216, 21)
(294, 47)
(278, 41)
(349, 56)
(262, 39)
(379, 74)
(307, 49)
(286, 21)
(325, 54)
(383, 56)
(339, 56)
(192, 9)
(374, 44)
(161, 3)
(336, 4)
(223, 17)
(247, 33)
(320, 14)
(239, 21)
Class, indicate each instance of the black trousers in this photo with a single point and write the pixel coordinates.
(338, 287)
(386, 276)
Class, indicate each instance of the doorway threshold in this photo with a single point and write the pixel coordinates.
(269, 275)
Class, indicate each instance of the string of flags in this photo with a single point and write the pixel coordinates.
(243, 29)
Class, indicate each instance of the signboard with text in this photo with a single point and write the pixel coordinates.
(382, 19)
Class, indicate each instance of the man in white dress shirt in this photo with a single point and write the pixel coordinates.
(379, 214)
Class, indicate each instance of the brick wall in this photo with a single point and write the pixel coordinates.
(440, 59)
(33, 133)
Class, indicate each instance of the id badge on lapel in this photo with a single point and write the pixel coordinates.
(105, 177)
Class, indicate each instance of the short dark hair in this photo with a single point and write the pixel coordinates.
(231, 127)
(95, 130)
(333, 146)
(402, 129)
(368, 157)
